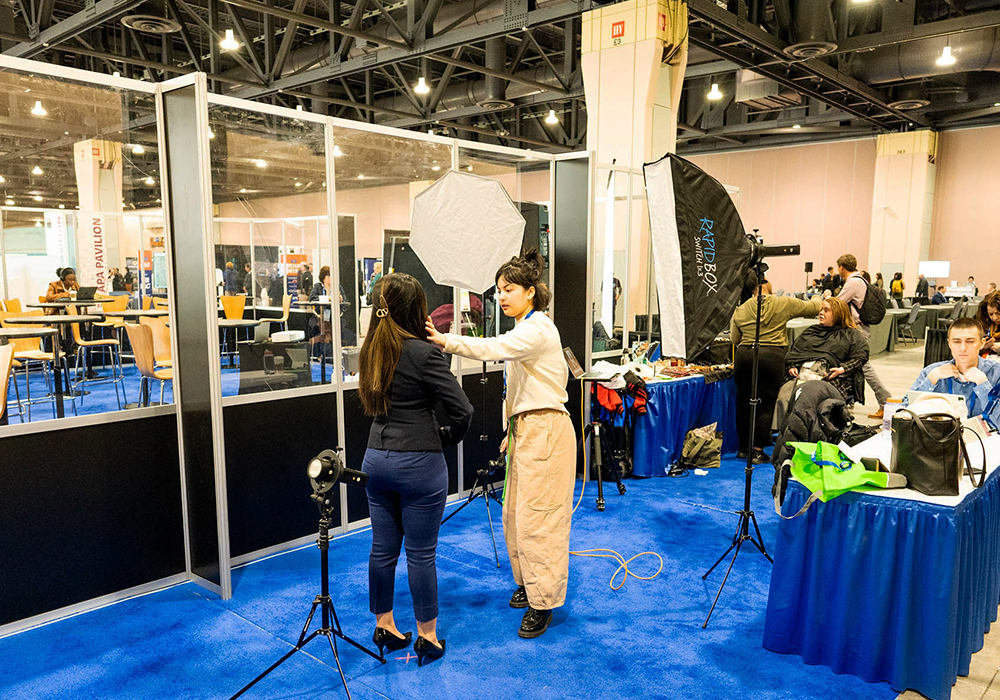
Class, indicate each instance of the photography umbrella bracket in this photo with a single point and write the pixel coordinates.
(330, 627)
(483, 486)
(746, 514)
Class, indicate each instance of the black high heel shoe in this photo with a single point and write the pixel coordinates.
(428, 650)
(384, 639)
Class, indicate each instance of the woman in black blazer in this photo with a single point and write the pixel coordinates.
(403, 379)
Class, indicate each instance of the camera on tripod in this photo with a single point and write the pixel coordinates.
(498, 463)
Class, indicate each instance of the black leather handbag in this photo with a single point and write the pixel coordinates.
(930, 451)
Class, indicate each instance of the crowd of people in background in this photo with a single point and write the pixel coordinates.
(836, 350)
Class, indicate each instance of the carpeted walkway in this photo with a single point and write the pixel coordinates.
(644, 641)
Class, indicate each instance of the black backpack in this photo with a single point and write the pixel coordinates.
(872, 309)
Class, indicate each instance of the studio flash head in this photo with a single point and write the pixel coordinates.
(327, 469)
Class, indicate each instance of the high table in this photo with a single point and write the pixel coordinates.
(226, 323)
(889, 585)
(674, 407)
(8, 334)
(57, 322)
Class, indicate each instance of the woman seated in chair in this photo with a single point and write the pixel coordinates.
(833, 350)
(989, 318)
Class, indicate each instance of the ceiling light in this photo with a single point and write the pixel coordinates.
(337, 152)
(946, 59)
(298, 108)
(116, 74)
(298, 184)
(9, 202)
(38, 110)
(149, 180)
(430, 132)
(552, 118)
(37, 198)
(361, 176)
(62, 206)
(138, 150)
(229, 43)
(421, 88)
(211, 134)
(38, 224)
(796, 126)
(435, 168)
(715, 93)
(36, 171)
(996, 104)
(243, 190)
(3, 179)
(260, 163)
(470, 168)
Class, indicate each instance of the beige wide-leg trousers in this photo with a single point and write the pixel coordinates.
(538, 504)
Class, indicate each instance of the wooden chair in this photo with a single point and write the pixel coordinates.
(141, 338)
(13, 305)
(120, 303)
(147, 302)
(84, 348)
(160, 304)
(6, 371)
(28, 352)
(162, 354)
(286, 306)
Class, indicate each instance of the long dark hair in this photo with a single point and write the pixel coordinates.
(399, 311)
(990, 300)
(526, 271)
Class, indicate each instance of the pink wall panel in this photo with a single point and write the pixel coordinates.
(966, 205)
(819, 196)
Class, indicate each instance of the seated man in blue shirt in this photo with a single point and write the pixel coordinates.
(975, 378)
(939, 297)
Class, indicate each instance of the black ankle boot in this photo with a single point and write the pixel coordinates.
(384, 639)
(428, 650)
(520, 598)
(534, 623)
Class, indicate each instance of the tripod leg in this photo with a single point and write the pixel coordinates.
(759, 542)
(723, 585)
(470, 499)
(336, 657)
(277, 663)
(616, 472)
(736, 541)
(339, 632)
(489, 519)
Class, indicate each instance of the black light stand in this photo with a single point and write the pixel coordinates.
(598, 442)
(483, 486)
(746, 514)
(331, 624)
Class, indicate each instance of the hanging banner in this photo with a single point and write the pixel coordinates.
(99, 182)
(701, 254)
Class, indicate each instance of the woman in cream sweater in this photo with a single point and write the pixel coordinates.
(538, 499)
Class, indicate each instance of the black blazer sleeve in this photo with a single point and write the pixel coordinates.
(317, 291)
(442, 384)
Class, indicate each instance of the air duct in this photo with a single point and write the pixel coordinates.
(151, 17)
(496, 59)
(909, 97)
(813, 29)
(974, 51)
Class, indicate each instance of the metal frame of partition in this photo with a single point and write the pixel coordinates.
(171, 125)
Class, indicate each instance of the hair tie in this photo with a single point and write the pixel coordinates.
(382, 313)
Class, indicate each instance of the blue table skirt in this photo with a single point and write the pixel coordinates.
(887, 590)
(675, 407)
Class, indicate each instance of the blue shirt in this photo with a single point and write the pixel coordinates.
(982, 399)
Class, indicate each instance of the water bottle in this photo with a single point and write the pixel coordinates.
(891, 406)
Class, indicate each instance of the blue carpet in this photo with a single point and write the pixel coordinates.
(644, 641)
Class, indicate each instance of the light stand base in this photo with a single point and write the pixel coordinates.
(482, 488)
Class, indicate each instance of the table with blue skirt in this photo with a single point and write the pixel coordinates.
(889, 586)
(674, 407)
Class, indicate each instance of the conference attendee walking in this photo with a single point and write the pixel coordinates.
(541, 445)
(402, 379)
(923, 286)
(897, 286)
(853, 294)
(775, 313)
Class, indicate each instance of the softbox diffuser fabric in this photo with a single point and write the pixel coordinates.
(700, 254)
(463, 227)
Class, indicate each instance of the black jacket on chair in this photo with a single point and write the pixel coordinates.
(422, 382)
(838, 346)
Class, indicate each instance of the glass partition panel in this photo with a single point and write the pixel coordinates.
(79, 194)
(378, 175)
(611, 226)
(527, 180)
(638, 280)
(272, 244)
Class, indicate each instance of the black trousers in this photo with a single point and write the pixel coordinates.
(770, 377)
